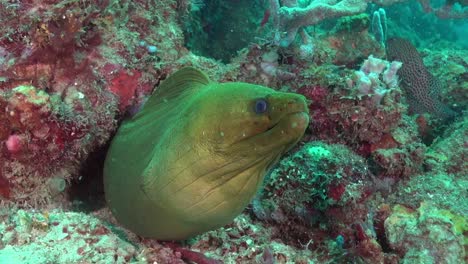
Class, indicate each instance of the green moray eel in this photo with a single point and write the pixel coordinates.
(195, 155)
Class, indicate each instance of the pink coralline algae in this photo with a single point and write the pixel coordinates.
(39, 128)
(124, 85)
(13, 144)
(64, 82)
(53, 108)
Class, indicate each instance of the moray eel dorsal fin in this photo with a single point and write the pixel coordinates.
(186, 80)
(162, 107)
(149, 125)
(195, 155)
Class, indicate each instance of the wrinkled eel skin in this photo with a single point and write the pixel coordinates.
(193, 158)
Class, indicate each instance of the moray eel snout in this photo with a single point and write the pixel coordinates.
(292, 112)
(193, 158)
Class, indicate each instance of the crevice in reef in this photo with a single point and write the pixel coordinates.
(87, 191)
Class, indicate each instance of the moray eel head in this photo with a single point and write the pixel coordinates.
(197, 153)
(249, 120)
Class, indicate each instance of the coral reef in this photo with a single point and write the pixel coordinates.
(447, 153)
(69, 71)
(450, 68)
(206, 21)
(366, 114)
(39, 128)
(417, 236)
(53, 108)
(311, 191)
(322, 177)
(54, 236)
(368, 183)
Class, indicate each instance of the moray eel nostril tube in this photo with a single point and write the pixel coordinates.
(195, 155)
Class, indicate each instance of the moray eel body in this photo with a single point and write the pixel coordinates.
(195, 155)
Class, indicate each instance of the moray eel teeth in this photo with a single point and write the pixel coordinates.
(197, 152)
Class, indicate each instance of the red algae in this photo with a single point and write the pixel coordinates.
(124, 84)
(4, 187)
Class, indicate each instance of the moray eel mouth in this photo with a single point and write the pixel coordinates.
(291, 116)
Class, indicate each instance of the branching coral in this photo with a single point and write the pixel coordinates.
(290, 18)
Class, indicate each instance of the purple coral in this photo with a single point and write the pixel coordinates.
(375, 78)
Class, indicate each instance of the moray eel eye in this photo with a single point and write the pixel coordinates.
(261, 106)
